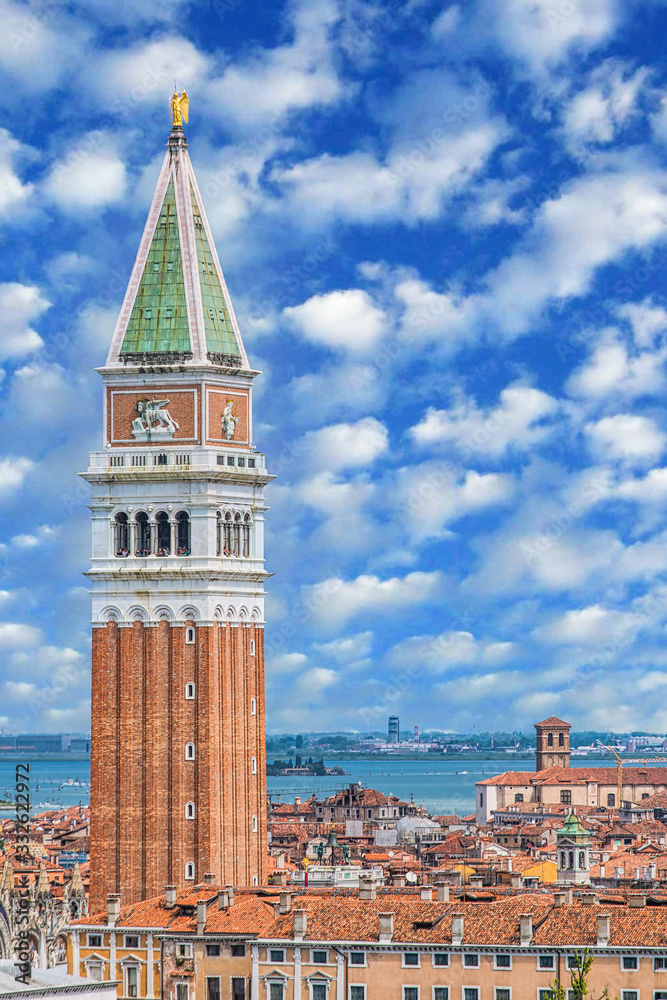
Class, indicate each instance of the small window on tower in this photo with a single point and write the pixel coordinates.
(189, 751)
(190, 691)
(252, 647)
(190, 636)
(253, 765)
(168, 313)
(190, 871)
(170, 265)
(253, 706)
(254, 824)
(148, 314)
(189, 810)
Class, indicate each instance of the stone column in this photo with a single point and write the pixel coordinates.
(112, 957)
(254, 978)
(149, 966)
(340, 977)
(76, 959)
(172, 537)
(297, 974)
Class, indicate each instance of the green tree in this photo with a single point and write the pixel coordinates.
(582, 962)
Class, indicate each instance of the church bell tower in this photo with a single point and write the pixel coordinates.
(178, 786)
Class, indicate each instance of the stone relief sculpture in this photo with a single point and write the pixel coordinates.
(154, 423)
(229, 421)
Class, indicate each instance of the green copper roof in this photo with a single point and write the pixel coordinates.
(159, 320)
(220, 336)
(573, 827)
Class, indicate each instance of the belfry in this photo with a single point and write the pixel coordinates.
(178, 786)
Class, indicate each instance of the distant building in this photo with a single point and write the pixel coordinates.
(40, 742)
(393, 730)
(572, 847)
(553, 743)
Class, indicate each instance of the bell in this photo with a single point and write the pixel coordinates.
(332, 841)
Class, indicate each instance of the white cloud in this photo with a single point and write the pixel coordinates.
(18, 636)
(13, 471)
(651, 489)
(594, 624)
(598, 218)
(273, 82)
(341, 320)
(129, 77)
(91, 175)
(520, 421)
(348, 650)
(20, 305)
(439, 653)
(342, 446)
(286, 663)
(648, 320)
(627, 437)
(336, 601)
(611, 369)
(608, 102)
(39, 50)
(31, 541)
(540, 34)
(13, 192)
(444, 318)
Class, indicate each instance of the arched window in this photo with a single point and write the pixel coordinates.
(163, 544)
(255, 880)
(246, 536)
(190, 635)
(254, 824)
(190, 691)
(571, 865)
(253, 765)
(562, 859)
(236, 535)
(218, 534)
(189, 751)
(190, 871)
(182, 533)
(253, 706)
(227, 531)
(252, 647)
(189, 810)
(561, 740)
(142, 538)
(121, 540)
(550, 740)
(582, 859)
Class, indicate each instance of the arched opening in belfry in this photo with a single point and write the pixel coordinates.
(550, 740)
(183, 533)
(163, 541)
(143, 536)
(121, 534)
(561, 740)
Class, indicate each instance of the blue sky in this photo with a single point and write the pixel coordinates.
(444, 228)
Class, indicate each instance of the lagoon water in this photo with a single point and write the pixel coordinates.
(441, 785)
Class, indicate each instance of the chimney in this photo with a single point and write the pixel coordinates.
(603, 930)
(300, 924)
(285, 902)
(476, 881)
(367, 889)
(229, 889)
(605, 856)
(170, 896)
(113, 909)
(618, 872)
(559, 899)
(386, 927)
(399, 881)
(636, 901)
(568, 897)
(443, 893)
(280, 878)
(297, 803)
(588, 899)
(223, 900)
(508, 864)
(637, 875)
(426, 894)
(652, 871)
(603, 871)
(201, 916)
(526, 929)
(457, 928)
(209, 878)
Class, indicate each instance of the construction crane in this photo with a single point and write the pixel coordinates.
(619, 768)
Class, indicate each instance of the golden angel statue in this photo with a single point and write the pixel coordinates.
(179, 109)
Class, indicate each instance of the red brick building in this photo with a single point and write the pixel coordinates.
(177, 573)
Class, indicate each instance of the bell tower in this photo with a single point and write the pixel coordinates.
(553, 743)
(178, 786)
